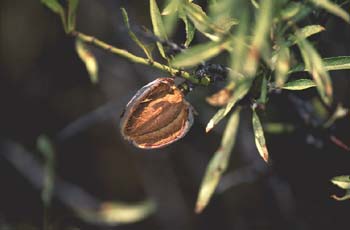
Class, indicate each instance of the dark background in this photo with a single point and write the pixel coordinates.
(44, 86)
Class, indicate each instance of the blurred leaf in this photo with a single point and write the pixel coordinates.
(204, 24)
(278, 128)
(261, 32)
(305, 32)
(158, 27)
(299, 84)
(282, 66)
(72, 11)
(342, 181)
(198, 53)
(114, 213)
(240, 90)
(240, 47)
(259, 137)
(46, 148)
(133, 36)
(218, 163)
(340, 112)
(333, 8)
(291, 10)
(220, 98)
(171, 15)
(255, 4)
(171, 7)
(88, 58)
(314, 65)
(56, 7)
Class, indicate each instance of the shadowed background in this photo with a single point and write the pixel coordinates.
(44, 86)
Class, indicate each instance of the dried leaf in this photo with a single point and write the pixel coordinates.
(218, 163)
(220, 98)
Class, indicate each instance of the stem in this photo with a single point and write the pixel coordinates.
(136, 59)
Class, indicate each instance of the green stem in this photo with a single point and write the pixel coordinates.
(136, 59)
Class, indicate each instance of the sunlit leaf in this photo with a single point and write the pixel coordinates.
(190, 31)
(133, 36)
(198, 53)
(305, 32)
(158, 26)
(171, 7)
(299, 84)
(114, 213)
(337, 63)
(282, 65)
(72, 11)
(89, 59)
(339, 112)
(46, 148)
(56, 7)
(342, 181)
(261, 32)
(333, 8)
(259, 137)
(314, 65)
(255, 3)
(240, 90)
(170, 16)
(218, 163)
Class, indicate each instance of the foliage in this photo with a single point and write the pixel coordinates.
(261, 41)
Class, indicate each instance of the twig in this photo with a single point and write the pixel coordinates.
(136, 59)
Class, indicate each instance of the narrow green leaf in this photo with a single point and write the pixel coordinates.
(190, 31)
(314, 64)
(333, 8)
(158, 26)
(170, 16)
(56, 7)
(198, 53)
(282, 65)
(72, 11)
(88, 58)
(337, 63)
(240, 90)
(218, 163)
(113, 212)
(332, 63)
(133, 36)
(45, 147)
(299, 84)
(171, 7)
(259, 137)
(305, 32)
(261, 32)
(263, 91)
(342, 181)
